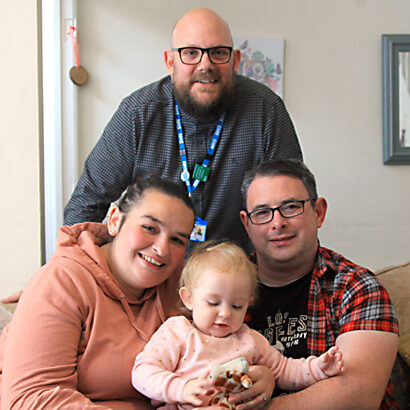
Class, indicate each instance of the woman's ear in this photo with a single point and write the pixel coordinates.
(114, 220)
(186, 297)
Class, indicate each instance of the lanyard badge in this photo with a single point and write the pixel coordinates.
(199, 231)
(201, 172)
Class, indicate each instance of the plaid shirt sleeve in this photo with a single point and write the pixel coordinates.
(345, 297)
(363, 303)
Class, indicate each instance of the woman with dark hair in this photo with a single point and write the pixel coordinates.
(85, 315)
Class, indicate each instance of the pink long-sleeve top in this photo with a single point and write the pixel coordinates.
(75, 333)
(179, 352)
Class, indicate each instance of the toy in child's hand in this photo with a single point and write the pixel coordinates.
(233, 377)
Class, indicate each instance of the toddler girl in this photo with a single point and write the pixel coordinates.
(217, 284)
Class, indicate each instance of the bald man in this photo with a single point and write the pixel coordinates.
(202, 126)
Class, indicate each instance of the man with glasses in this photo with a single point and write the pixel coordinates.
(203, 125)
(310, 297)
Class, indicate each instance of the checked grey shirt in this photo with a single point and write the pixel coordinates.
(141, 138)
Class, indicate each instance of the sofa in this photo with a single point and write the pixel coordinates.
(6, 312)
(396, 279)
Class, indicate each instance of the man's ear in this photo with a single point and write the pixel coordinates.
(186, 297)
(244, 220)
(169, 61)
(236, 59)
(114, 220)
(320, 210)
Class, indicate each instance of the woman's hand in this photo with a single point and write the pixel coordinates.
(261, 391)
(15, 297)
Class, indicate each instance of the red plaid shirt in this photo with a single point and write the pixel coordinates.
(344, 297)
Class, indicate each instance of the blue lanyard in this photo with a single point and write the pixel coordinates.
(185, 176)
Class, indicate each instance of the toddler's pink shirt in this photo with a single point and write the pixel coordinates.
(179, 352)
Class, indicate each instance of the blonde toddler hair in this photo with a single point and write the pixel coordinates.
(222, 256)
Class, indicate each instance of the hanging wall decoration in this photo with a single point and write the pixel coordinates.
(78, 74)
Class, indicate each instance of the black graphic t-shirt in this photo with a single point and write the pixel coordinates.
(280, 314)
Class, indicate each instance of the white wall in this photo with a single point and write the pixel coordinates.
(19, 152)
(332, 89)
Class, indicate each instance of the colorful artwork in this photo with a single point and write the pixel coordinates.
(262, 60)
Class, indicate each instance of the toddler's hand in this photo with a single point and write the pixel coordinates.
(331, 362)
(198, 392)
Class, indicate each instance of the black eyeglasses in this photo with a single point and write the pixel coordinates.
(288, 210)
(193, 55)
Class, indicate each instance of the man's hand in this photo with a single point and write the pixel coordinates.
(331, 362)
(261, 391)
(198, 392)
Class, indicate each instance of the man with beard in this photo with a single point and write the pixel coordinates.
(203, 125)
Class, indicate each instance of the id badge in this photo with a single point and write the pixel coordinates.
(201, 173)
(199, 232)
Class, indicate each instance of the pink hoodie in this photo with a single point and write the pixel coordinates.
(75, 334)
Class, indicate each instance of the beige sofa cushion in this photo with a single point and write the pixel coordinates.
(5, 316)
(396, 280)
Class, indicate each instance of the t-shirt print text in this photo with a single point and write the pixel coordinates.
(284, 331)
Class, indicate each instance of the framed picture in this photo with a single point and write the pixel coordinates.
(396, 98)
(262, 60)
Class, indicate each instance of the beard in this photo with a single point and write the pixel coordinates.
(204, 112)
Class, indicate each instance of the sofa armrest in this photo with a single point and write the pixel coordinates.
(404, 348)
(6, 312)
